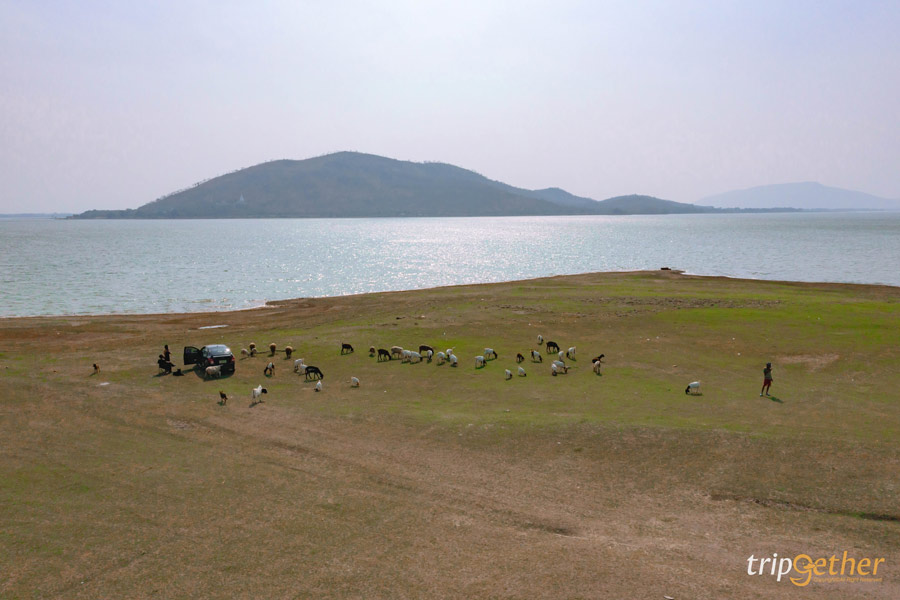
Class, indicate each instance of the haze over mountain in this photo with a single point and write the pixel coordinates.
(351, 184)
(806, 195)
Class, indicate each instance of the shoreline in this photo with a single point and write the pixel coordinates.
(284, 302)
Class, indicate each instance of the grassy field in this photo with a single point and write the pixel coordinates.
(432, 481)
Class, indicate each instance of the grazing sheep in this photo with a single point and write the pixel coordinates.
(553, 369)
(245, 353)
(215, 371)
(561, 355)
(405, 355)
(520, 358)
(298, 365)
(424, 348)
(313, 372)
(508, 374)
(522, 372)
(223, 399)
(596, 366)
(371, 350)
(441, 357)
(397, 351)
(570, 353)
(288, 350)
(479, 362)
(448, 352)
(346, 348)
(414, 357)
(559, 366)
(453, 360)
(254, 395)
(272, 348)
(489, 354)
(536, 356)
(269, 370)
(382, 353)
(540, 340)
(429, 355)
(318, 386)
(693, 388)
(252, 350)
(552, 347)
(598, 358)
(354, 382)
(96, 369)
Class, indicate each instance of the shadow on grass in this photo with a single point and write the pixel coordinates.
(775, 399)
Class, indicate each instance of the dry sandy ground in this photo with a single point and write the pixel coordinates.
(150, 489)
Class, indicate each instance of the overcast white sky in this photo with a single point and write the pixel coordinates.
(113, 104)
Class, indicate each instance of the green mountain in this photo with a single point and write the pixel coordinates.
(351, 184)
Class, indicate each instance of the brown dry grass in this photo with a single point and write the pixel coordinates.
(431, 482)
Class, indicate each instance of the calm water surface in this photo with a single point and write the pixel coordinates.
(95, 267)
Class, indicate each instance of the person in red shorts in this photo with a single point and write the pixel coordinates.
(767, 379)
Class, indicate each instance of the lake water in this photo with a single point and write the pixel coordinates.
(50, 267)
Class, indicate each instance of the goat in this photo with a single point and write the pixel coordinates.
(245, 353)
(520, 358)
(479, 362)
(540, 340)
(561, 355)
(96, 369)
(598, 358)
(559, 366)
(508, 374)
(536, 356)
(371, 350)
(298, 364)
(441, 357)
(215, 371)
(596, 366)
(570, 353)
(272, 348)
(424, 348)
(254, 395)
(522, 372)
(552, 347)
(382, 353)
(354, 382)
(223, 399)
(346, 348)
(252, 349)
(313, 372)
(453, 360)
(269, 370)
(489, 353)
(288, 350)
(396, 350)
(414, 355)
(693, 388)
(318, 386)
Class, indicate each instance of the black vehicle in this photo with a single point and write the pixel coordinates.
(210, 356)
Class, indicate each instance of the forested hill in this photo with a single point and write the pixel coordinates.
(351, 184)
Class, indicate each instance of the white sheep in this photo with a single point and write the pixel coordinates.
(448, 351)
(693, 388)
(540, 340)
(570, 353)
(508, 374)
(441, 357)
(414, 357)
(596, 367)
(319, 386)
(489, 353)
(536, 356)
(215, 371)
(406, 355)
(453, 360)
(245, 353)
(429, 354)
(559, 366)
(299, 365)
(522, 372)
(354, 382)
(553, 369)
(254, 395)
(270, 369)
(479, 361)
(561, 355)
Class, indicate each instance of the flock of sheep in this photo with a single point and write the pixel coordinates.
(425, 353)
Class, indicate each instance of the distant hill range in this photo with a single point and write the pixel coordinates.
(352, 184)
(806, 195)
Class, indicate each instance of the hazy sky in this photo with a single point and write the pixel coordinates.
(113, 104)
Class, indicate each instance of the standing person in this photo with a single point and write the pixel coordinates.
(166, 354)
(767, 379)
